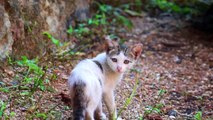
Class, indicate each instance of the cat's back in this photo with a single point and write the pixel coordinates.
(84, 65)
(86, 70)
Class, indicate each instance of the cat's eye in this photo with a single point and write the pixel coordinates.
(114, 59)
(126, 61)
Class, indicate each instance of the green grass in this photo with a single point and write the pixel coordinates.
(29, 81)
(54, 40)
(156, 106)
(129, 99)
(198, 115)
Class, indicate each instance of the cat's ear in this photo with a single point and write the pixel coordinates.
(110, 44)
(136, 50)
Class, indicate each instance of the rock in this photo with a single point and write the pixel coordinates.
(172, 113)
(22, 23)
(82, 10)
(175, 94)
(2, 83)
(158, 76)
(172, 117)
(6, 40)
(188, 111)
(177, 59)
(9, 72)
(14, 82)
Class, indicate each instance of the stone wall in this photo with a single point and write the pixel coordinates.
(22, 23)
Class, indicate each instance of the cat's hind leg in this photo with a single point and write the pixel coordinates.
(99, 115)
(94, 94)
(79, 101)
(90, 113)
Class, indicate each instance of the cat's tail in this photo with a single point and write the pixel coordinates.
(79, 101)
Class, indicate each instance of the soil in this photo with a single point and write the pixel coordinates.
(176, 59)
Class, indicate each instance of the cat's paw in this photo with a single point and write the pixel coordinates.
(103, 116)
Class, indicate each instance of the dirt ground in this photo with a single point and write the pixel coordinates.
(176, 59)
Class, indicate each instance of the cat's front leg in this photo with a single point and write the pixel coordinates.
(109, 100)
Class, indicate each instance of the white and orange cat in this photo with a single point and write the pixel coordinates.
(96, 78)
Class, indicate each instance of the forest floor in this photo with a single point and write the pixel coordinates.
(175, 73)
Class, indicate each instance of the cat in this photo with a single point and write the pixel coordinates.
(96, 78)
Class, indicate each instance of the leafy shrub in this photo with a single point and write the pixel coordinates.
(193, 7)
(36, 77)
(105, 15)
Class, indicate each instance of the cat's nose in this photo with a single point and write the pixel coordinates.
(119, 68)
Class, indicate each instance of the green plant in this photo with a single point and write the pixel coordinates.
(105, 15)
(2, 108)
(31, 65)
(62, 48)
(9, 60)
(161, 92)
(84, 28)
(3, 115)
(4, 89)
(99, 25)
(138, 4)
(129, 99)
(98, 19)
(54, 40)
(157, 106)
(30, 81)
(12, 114)
(41, 115)
(198, 115)
(170, 6)
(33, 76)
(116, 14)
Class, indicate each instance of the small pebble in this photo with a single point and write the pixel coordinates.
(172, 117)
(177, 59)
(172, 113)
(188, 111)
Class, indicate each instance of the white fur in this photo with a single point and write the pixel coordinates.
(89, 72)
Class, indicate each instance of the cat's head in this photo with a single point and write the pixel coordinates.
(120, 57)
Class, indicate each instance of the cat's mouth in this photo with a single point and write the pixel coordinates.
(119, 69)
